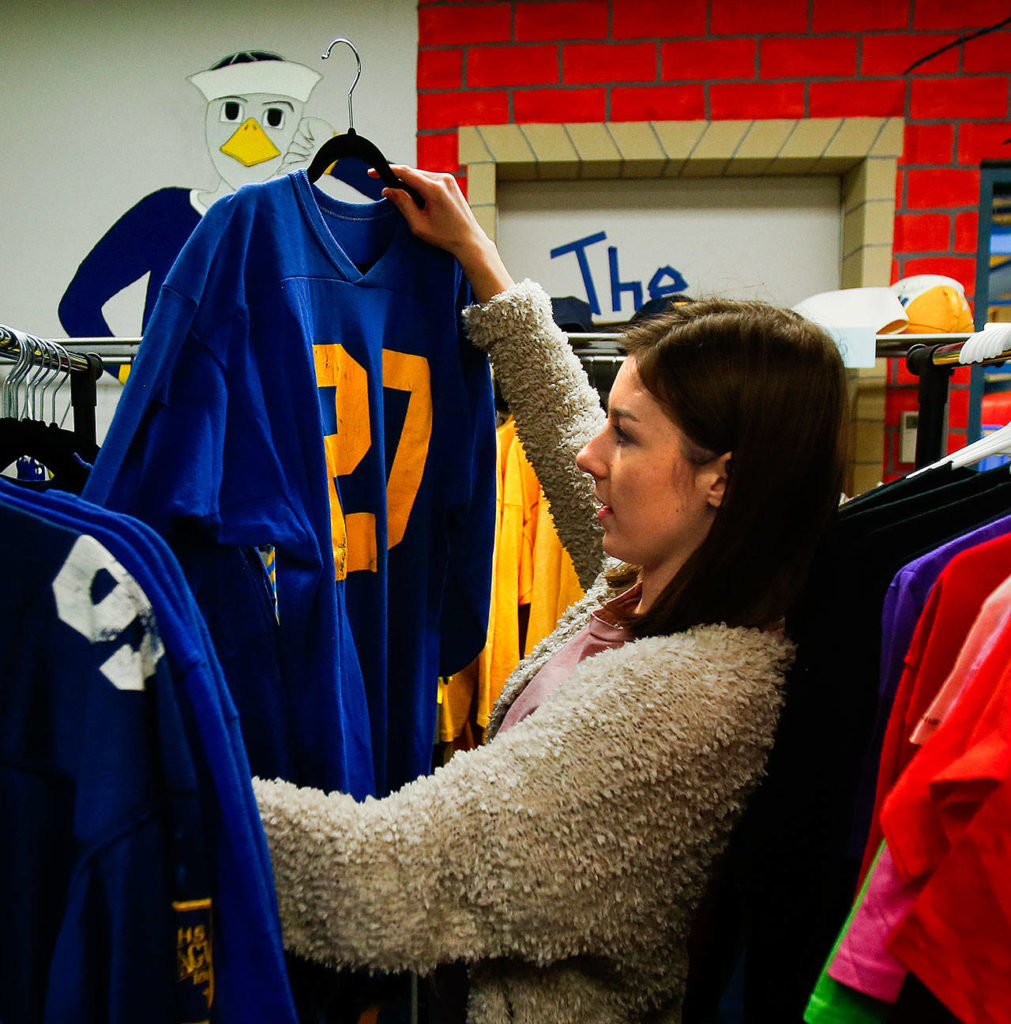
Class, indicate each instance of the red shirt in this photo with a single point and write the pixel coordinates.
(948, 819)
(951, 609)
(957, 937)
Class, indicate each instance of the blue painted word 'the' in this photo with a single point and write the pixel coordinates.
(666, 281)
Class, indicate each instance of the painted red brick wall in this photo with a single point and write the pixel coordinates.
(509, 61)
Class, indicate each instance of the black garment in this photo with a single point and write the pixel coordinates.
(918, 1005)
(790, 880)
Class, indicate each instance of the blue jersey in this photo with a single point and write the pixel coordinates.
(101, 837)
(249, 977)
(304, 383)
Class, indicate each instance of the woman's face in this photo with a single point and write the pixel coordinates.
(657, 507)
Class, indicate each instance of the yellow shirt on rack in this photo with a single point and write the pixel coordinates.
(556, 585)
(530, 571)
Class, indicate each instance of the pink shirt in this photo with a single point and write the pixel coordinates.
(862, 960)
(599, 634)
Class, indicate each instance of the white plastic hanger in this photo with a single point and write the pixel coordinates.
(983, 346)
(989, 343)
(996, 443)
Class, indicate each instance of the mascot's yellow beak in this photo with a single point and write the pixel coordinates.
(250, 144)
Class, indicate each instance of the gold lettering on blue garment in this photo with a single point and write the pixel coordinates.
(353, 536)
(194, 960)
(403, 371)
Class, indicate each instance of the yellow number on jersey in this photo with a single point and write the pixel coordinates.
(405, 372)
(354, 536)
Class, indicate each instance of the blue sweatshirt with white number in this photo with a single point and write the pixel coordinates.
(304, 382)
(96, 784)
(221, 853)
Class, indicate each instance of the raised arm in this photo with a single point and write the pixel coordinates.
(548, 392)
(556, 409)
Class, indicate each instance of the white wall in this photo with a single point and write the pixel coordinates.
(96, 112)
(771, 238)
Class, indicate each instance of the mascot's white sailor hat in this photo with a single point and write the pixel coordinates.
(256, 71)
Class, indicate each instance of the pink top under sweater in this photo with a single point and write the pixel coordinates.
(599, 634)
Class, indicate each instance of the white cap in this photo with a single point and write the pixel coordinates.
(877, 308)
(277, 77)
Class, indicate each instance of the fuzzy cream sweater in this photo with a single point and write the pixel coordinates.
(564, 859)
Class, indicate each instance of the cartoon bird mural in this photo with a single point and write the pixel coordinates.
(253, 123)
(254, 129)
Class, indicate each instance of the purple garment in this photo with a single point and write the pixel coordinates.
(904, 601)
(907, 596)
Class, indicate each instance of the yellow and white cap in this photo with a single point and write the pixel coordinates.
(934, 304)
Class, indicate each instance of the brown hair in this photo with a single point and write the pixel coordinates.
(769, 387)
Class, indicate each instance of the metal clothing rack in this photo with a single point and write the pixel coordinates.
(118, 349)
(84, 369)
(931, 357)
(934, 365)
(601, 354)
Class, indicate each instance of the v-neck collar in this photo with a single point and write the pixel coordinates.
(314, 201)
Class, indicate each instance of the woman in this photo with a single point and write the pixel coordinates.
(563, 861)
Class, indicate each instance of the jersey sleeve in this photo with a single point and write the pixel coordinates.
(161, 459)
(467, 595)
(98, 789)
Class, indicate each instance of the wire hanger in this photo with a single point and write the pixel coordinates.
(351, 144)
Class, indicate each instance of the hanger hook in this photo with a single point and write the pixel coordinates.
(63, 371)
(18, 374)
(358, 74)
(40, 356)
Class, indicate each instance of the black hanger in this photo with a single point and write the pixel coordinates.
(66, 454)
(61, 451)
(351, 145)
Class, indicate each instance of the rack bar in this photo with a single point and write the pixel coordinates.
(10, 347)
(934, 365)
(84, 368)
(932, 398)
(84, 398)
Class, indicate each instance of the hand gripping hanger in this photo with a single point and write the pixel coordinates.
(351, 144)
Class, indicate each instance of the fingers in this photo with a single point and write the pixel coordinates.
(446, 220)
(415, 174)
(427, 183)
(398, 197)
(415, 217)
(412, 172)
